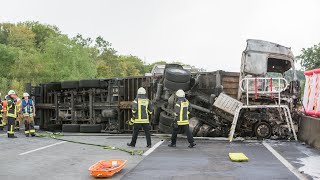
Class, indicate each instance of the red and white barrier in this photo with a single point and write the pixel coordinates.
(311, 97)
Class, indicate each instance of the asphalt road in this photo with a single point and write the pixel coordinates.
(46, 158)
(63, 160)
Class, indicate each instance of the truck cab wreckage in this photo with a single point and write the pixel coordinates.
(257, 102)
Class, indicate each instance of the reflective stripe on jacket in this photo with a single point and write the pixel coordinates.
(182, 111)
(141, 108)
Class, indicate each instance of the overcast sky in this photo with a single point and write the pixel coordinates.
(210, 34)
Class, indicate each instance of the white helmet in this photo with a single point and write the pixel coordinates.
(141, 90)
(180, 93)
(25, 94)
(11, 92)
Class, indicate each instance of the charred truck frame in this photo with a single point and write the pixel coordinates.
(103, 105)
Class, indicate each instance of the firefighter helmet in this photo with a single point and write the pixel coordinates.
(141, 90)
(11, 92)
(180, 93)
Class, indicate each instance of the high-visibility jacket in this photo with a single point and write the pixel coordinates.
(182, 110)
(27, 107)
(11, 107)
(141, 108)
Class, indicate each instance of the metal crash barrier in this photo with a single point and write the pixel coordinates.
(311, 97)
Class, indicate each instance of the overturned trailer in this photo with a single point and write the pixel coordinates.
(103, 105)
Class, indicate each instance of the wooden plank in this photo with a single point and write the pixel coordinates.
(230, 79)
(230, 85)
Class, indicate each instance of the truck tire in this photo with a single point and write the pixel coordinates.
(165, 119)
(177, 75)
(93, 83)
(71, 128)
(174, 86)
(70, 84)
(90, 128)
(164, 128)
(156, 115)
(263, 130)
(55, 127)
(53, 86)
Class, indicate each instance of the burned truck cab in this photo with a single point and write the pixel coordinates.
(268, 77)
(265, 59)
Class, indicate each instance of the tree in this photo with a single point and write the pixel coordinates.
(21, 37)
(66, 60)
(42, 32)
(310, 57)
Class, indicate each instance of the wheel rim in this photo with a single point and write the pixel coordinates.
(263, 130)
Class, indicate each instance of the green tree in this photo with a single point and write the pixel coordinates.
(42, 32)
(21, 37)
(66, 60)
(310, 57)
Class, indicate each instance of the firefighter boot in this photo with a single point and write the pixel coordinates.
(191, 145)
(11, 136)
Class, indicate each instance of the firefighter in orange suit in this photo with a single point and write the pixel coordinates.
(1, 114)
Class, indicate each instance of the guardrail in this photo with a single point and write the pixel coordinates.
(263, 85)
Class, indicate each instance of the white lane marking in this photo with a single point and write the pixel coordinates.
(153, 148)
(284, 162)
(42, 148)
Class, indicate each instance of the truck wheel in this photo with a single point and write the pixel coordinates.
(164, 128)
(177, 75)
(90, 128)
(263, 130)
(165, 119)
(93, 83)
(70, 84)
(156, 117)
(71, 128)
(176, 86)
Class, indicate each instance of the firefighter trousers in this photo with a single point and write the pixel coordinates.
(10, 126)
(136, 128)
(29, 125)
(186, 130)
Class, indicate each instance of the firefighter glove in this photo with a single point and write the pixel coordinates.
(131, 122)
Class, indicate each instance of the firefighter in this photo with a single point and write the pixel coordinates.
(28, 113)
(1, 114)
(182, 109)
(19, 118)
(11, 112)
(141, 109)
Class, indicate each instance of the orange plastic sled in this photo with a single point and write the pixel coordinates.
(106, 168)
